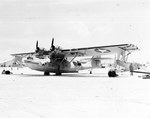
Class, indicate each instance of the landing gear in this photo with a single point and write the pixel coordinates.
(112, 73)
(46, 73)
(58, 73)
(90, 72)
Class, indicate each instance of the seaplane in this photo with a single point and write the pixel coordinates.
(57, 60)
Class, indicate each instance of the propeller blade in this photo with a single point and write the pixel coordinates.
(36, 44)
(52, 45)
(37, 48)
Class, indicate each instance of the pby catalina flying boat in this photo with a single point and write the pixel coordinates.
(57, 60)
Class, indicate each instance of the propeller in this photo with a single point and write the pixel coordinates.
(52, 45)
(36, 44)
(37, 48)
(44, 52)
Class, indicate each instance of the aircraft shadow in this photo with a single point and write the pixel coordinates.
(85, 75)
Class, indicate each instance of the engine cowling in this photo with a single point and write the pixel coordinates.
(58, 56)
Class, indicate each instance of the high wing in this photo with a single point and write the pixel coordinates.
(23, 54)
(15, 62)
(99, 50)
(87, 51)
(38, 50)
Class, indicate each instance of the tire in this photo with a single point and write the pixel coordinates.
(46, 73)
(58, 73)
(7, 72)
(112, 74)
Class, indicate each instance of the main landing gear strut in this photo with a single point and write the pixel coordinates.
(58, 72)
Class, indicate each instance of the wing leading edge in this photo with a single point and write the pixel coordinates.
(89, 51)
(23, 54)
(99, 50)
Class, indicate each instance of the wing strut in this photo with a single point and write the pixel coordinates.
(73, 58)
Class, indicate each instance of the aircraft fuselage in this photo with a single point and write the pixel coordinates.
(58, 65)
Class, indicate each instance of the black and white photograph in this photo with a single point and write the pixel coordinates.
(74, 59)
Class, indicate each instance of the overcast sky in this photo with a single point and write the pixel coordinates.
(74, 23)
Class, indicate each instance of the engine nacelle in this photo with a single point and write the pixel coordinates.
(58, 56)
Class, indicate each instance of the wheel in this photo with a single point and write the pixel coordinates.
(112, 73)
(90, 72)
(46, 73)
(58, 73)
(109, 73)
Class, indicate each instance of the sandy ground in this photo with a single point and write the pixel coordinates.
(74, 96)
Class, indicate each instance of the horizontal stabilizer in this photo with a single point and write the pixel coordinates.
(123, 64)
(127, 64)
